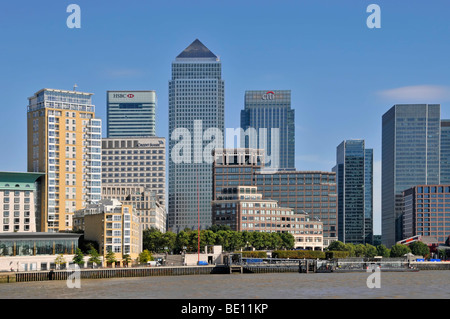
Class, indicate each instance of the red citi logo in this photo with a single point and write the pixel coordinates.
(269, 95)
(130, 96)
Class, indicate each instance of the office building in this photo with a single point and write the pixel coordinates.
(134, 162)
(131, 113)
(445, 152)
(311, 192)
(20, 201)
(113, 225)
(265, 113)
(410, 156)
(64, 142)
(354, 175)
(426, 212)
(152, 214)
(196, 109)
(242, 208)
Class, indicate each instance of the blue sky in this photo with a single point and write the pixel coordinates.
(343, 75)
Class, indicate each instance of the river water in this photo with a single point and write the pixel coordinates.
(389, 285)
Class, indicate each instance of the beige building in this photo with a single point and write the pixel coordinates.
(64, 142)
(19, 201)
(144, 200)
(113, 225)
(242, 208)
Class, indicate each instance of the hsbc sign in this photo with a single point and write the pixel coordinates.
(270, 95)
(123, 96)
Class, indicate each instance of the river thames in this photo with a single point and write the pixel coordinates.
(391, 285)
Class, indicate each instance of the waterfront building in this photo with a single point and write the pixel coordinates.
(196, 107)
(265, 111)
(311, 192)
(144, 200)
(25, 251)
(20, 197)
(354, 175)
(445, 152)
(131, 113)
(410, 156)
(64, 142)
(135, 162)
(113, 225)
(426, 212)
(242, 208)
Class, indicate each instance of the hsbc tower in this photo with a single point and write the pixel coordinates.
(131, 113)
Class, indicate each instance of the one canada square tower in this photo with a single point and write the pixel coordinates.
(196, 111)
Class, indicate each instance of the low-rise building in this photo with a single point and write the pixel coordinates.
(242, 208)
(113, 225)
(24, 251)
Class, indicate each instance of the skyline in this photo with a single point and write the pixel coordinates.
(335, 67)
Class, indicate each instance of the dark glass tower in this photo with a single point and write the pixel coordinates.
(270, 110)
(354, 175)
(445, 152)
(410, 156)
(196, 108)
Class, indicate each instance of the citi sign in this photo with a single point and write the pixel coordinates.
(122, 95)
(270, 95)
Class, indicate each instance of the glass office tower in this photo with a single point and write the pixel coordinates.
(131, 113)
(445, 151)
(354, 175)
(410, 156)
(270, 110)
(196, 108)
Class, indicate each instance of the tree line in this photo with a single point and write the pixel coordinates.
(187, 240)
(398, 250)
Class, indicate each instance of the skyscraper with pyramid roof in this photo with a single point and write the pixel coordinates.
(196, 104)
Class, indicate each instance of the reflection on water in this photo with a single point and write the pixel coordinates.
(423, 284)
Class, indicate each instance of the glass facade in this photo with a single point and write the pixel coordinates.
(37, 244)
(354, 174)
(131, 113)
(265, 111)
(427, 212)
(410, 156)
(196, 104)
(445, 152)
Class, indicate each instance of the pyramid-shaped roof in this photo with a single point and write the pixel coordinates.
(197, 50)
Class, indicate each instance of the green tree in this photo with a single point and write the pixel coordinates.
(145, 256)
(60, 260)
(336, 246)
(383, 251)
(182, 241)
(78, 258)
(399, 250)
(168, 240)
(419, 248)
(94, 256)
(371, 251)
(350, 248)
(360, 250)
(288, 240)
(126, 259)
(111, 258)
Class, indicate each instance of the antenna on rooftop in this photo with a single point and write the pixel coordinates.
(75, 87)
